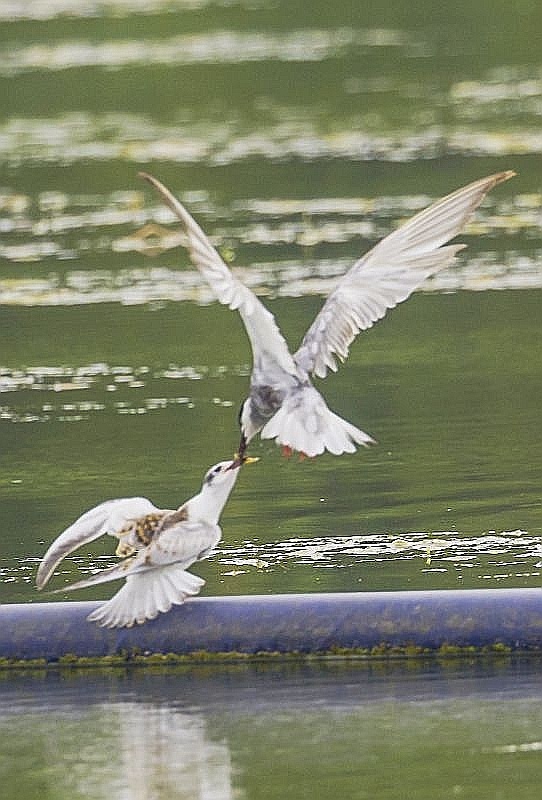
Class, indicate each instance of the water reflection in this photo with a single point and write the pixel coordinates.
(165, 753)
(155, 286)
(446, 549)
(272, 731)
(129, 750)
(436, 559)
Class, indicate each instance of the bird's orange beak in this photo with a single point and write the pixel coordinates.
(239, 461)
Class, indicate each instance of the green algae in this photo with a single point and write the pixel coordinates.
(383, 652)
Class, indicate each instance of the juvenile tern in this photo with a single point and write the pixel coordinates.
(157, 547)
(283, 404)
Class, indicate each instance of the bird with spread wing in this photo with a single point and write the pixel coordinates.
(157, 547)
(283, 403)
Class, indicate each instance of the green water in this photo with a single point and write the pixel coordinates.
(425, 732)
(298, 134)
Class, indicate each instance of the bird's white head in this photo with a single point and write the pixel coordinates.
(223, 472)
(217, 484)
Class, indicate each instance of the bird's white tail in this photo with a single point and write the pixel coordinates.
(305, 423)
(145, 595)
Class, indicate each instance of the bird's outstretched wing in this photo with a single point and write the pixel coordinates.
(180, 544)
(109, 516)
(156, 576)
(388, 274)
(262, 330)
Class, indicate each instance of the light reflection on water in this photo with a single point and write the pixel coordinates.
(344, 551)
(43, 10)
(504, 558)
(213, 46)
(61, 236)
(81, 137)
(153, 285)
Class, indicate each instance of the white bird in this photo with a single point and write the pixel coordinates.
(283, 404)
(157, 545)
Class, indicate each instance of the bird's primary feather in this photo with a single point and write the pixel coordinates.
(262, 330)
(388, 274)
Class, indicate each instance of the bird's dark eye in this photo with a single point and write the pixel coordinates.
(212, 472)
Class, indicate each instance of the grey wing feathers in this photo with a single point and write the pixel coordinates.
(260, 324)
(388, 274)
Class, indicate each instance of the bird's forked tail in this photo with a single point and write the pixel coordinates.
(305, 423)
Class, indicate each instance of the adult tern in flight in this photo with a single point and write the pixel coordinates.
(283, 404)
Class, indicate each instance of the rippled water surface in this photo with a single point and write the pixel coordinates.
(298, 134)
(298, 137)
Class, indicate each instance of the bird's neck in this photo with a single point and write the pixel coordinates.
(208, 504)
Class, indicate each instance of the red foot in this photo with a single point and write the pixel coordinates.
(288, 451)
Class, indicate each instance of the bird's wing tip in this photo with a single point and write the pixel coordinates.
(146, 176)
(500, 177)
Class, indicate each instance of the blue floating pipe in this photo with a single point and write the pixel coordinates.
(305, 623)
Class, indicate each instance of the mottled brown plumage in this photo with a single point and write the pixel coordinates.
(139, 533)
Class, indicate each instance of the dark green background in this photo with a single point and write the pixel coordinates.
(298, 134)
